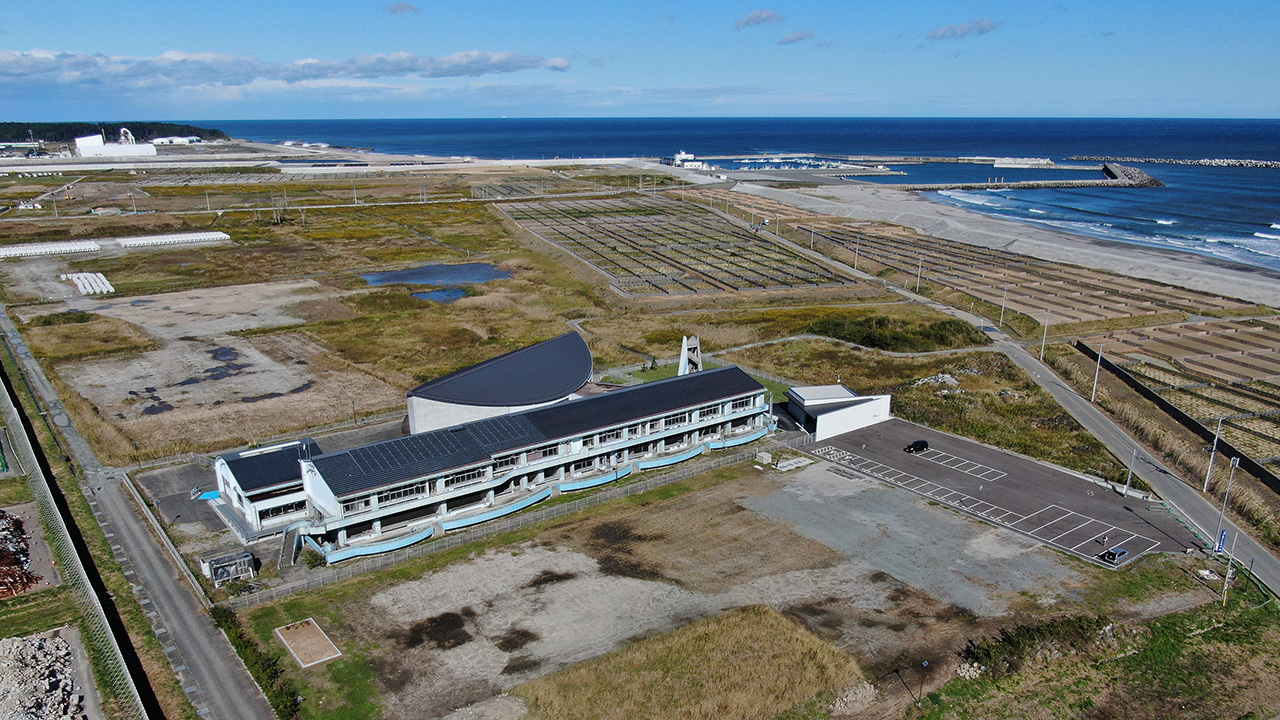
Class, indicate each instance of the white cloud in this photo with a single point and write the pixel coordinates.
(182, 69)
(759, 17)
(964, 30)
(796, 37)
(399, 8)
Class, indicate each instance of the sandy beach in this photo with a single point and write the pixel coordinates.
(1181, 269)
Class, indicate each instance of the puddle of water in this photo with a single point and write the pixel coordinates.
(446, 295)
(463, 274)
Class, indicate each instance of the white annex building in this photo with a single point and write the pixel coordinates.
(825, 411)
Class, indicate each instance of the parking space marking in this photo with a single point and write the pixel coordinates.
(1039, 520)
(955, 462)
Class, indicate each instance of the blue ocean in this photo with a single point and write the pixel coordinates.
(1230, 213)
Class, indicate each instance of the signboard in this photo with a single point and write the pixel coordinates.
(1222, 542)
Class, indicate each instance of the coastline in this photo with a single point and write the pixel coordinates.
(1173, 267)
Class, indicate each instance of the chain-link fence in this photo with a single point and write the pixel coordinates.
(110, 671)
(498, 527)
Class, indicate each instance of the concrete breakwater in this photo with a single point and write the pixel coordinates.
(1115, 176)
(1212, 162)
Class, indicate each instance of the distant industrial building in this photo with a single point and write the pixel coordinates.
(381, 497)
(97, 146)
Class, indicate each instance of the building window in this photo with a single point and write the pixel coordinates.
(677, 420)
(401, 494)
(464, 478)
(355, 506)
(583, 466)
(506, 462)
(279, 510)
(708, 411)
(634, 431)
(608, 437)
(545, 451)
(742, 404)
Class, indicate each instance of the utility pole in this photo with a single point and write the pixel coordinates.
(1096, 372)
(1213, 454)
(1045, 340)
(857, 250)
(207, 206)
(919, 271)
(1002, 303)
(1235, 463)
(133, 201)
(55, 206)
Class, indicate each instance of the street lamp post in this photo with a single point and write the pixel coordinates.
(1213, 454)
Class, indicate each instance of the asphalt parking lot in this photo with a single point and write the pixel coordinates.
(1052, 506)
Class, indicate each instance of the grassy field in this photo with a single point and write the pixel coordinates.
(1206, 662)
(895, 327)
(96, 335)
(724, 667)
(37, 612)
(994, 402)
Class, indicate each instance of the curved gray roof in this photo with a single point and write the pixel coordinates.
(545, 372)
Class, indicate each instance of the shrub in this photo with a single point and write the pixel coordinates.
(1011, 649)
(264, 667)
(60, 318)
(311, 558)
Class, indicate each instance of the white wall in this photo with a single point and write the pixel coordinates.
(838, 422)
(426, 415)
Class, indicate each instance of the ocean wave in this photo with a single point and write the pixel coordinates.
(1265, 236)
(1166, 222)
(1275, 226)
(1037, 211)
(967, 197)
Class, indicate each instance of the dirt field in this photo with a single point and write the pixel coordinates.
(205, 384)
(874, 571)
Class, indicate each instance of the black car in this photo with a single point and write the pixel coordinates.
(918, 446)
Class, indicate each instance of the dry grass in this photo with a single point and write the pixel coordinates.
(745, 663)
(1176, 446)
(704, 541)
(99, 336)
(995, 401)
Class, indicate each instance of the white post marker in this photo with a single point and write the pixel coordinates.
(1213, 453)
(1045, 340)
(1096, 372)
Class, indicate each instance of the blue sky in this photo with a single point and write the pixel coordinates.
(147, 59)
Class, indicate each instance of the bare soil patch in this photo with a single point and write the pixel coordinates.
(307, 643)
(703, 541)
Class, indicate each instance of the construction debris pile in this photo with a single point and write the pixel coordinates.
(36, 681)
(15, 558)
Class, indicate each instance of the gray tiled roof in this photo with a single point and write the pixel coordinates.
(257, 470)
(393, 461)
(544, 372)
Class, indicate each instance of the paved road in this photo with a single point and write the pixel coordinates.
(1201, 510)
(210, 671)
(1196, 507)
